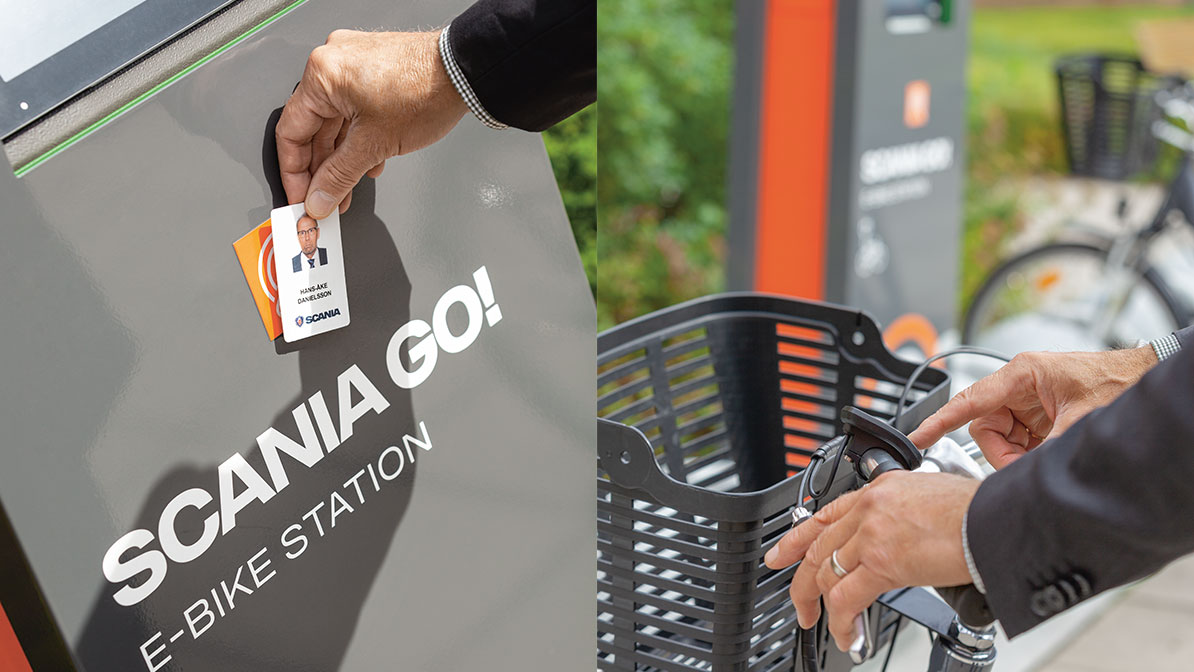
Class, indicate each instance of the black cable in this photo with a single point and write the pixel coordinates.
(805, 477)
(891, 645)
(837, 461)
(832, 473)
(814, 462)
(961, 350)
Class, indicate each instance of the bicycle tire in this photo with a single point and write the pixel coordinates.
(994, 282)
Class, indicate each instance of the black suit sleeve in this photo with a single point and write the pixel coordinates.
(532, 63)
(1185, 337)
(1109, 502)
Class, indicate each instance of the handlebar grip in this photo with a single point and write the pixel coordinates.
(969, 604)
(876, 462)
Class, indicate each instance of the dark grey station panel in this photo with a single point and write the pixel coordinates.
(137, 375)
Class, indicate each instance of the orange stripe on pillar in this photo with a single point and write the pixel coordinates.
(794, 148)
(12, 657)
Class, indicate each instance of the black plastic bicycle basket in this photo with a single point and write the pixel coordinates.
(710, 411)
(1107, 110)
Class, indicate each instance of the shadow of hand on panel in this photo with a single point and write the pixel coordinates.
(302, 618)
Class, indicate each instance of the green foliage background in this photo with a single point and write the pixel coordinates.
(572, 146)
(664, 84)
(664, 79)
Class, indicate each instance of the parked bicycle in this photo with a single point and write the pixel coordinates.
(1094, 290)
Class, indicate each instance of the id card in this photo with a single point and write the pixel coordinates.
(312, 293)
(255, 251)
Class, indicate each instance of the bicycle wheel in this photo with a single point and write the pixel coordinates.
(1051, 298)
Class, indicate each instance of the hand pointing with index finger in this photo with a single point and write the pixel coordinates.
(1036, 397)
(364, 97)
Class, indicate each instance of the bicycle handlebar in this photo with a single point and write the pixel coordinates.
(1177, 103)
(1174, 135)
(963, 623)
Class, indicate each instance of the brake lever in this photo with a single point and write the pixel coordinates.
(861, 647)
(863, 644)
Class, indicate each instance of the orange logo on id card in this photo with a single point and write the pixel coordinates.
(256, 254)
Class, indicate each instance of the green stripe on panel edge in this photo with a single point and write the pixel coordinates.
(24, 170)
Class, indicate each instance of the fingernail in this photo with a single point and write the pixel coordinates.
(319, 204)
(770, 556)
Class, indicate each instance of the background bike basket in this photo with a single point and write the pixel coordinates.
(1107, 112)
(710, 410)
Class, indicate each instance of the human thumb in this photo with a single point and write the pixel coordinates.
(337, 175)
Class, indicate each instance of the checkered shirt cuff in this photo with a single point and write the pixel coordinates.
(1166, 347)
(970, 566)
(462, 85)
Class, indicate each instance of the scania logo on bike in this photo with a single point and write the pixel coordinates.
(316, 317)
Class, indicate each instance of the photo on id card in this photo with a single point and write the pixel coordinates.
(309, 259)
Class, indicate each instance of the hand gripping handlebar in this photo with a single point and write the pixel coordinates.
(964, 637)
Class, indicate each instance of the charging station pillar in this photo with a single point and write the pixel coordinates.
(847, 157)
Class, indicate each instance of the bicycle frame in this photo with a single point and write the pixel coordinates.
(1126, 259)
(956, 646)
